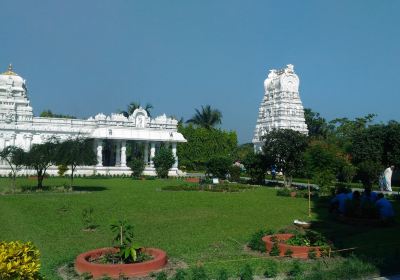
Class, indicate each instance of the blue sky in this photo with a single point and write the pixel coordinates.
(85, 57)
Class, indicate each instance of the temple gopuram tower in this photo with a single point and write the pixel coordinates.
(281, 107)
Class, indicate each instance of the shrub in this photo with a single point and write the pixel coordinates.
(246, 273)
(218, 167)
(284, 192)
(271, 270)
(62, 169)
(256, 243)
(199, 273)
(275, 250)
(163, 161)
(234, 172)
(222, 275)
(288, 253)
(137, 167)
(312, 254)
(87, 219)
(19, 260)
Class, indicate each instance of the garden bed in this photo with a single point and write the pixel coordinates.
(301, 252)
(83, 264)
(226, 187)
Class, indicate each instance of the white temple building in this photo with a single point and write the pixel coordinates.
(20, 128)
(281, 107)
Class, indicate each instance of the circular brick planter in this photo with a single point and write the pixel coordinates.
(82, 264)
(300, 252)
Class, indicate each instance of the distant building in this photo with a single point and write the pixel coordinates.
(20, 128)
(281, 106)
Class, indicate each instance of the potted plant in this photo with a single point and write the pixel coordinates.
(125, 258)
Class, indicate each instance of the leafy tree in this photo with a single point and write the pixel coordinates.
(136, 105)
(76, 152)
(137, 167)
(163, 161)
(218, 167)
(243, 150)
(207, 117)
(284, 148)
(40, 158)
(391, 146)
(50, 114)
(14, 156)
(203, 144)
(317, 125)
(256, 166)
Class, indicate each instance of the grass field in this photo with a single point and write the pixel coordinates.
(205, 227)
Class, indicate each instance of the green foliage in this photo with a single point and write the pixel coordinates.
(222, 275)
(284, 148)
(88, 219)
(15, 158)
(136, 105)
(317, 125)
(234, 173)
(246, 273)
(271, 269)
(123, 236)
(137, 167)
(324, 179)
(296, 270)
(312, 254)
(255, 167)
(161, 276)
(206, 118)
(288, 253)
(163, 161)
(256, 243)
(309, 238)
(275, 249)
(198, 273)
(62, 168)
(244, 150)
(203, 144)
(179, 275)
(75, 152)
(40, 158)
(218, 167)
(50, 114)
(284, 192)
(226, 187)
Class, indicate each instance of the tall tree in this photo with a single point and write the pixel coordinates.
(136, 105)
(75, 152)
(40, 158)
(317, 125)
(14, 156)
(207, 117)
(284, 148)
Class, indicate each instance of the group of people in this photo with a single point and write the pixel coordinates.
(342, 201)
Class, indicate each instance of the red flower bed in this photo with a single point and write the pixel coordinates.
(193, 180)
(82, 264)
(300, 252)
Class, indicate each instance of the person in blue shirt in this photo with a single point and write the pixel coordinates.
(338, 203)
(369, 196)
(385, 207)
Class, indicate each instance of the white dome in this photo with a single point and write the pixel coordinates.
(11, 78)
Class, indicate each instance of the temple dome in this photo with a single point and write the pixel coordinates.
(11, 78)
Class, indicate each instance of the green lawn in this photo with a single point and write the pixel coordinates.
(191, 226)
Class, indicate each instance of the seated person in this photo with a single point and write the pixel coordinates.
(338, 203)
(385, 207)
(369, 196)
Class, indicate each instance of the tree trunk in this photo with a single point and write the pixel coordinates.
(72, 177)
(14, 183)
(40, 180)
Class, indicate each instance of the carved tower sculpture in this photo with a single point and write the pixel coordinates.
(281, 106)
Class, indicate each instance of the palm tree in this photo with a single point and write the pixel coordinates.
(136, 105)
(207, 117)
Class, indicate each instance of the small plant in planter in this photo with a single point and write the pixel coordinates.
(129, 252)
(288, 253)
(275, 249)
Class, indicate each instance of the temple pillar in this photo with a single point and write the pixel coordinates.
(12, 137)
(175, 155)
(2, 141)
(99, 152)
(146, 153)
(117, 153)
(152, 153)
(28, 142)
(123, 153)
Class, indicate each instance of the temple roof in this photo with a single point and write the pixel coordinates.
(9, 71)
